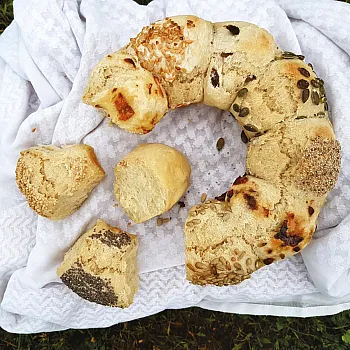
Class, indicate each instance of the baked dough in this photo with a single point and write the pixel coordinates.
(56, 181)
(293, 156)
(150, 180)
(127, 93)
(102, 266)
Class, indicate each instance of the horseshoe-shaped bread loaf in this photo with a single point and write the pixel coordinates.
(293, 157)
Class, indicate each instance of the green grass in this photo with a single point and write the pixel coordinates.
(192, 328)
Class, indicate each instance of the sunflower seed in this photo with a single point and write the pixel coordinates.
(248, 261)
(231, 275)
(213, 207)
(222, 260)
(315, 83)
(215, 261)
(242, 92)
(249, 271)
(236, 251)
(304, 72)
(236, 108)
(159, 221)
(228, 266)
(302, 84)
(251, 128)
(237, 265)
(221, 275)
(239, 272)
(191, 267)
(203, 197)
(200, 265)
(241, 256)
(326, 106)
(315, 98)
(243, 112)
(220, 267)
(196, 221)
(305, 95)
(220, 144)
(244, 137)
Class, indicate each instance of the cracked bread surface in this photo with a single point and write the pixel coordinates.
(56, 181)
(235, 61)
(102, 266)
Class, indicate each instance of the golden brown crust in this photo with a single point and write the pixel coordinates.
(102, 266)
(56, 181)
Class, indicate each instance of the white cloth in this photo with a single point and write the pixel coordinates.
(45, 59)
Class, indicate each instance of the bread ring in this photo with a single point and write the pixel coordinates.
(293, 156)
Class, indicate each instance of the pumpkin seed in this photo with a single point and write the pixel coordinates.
(220, 144)
(320, 81)
(315, 83)
(236, 108)
(243, 112)
(322, 90)
(242, 92)
(305, 95)
(251, 128)
(315, 98)
(244, 137)
(304, 72)
(302, 84)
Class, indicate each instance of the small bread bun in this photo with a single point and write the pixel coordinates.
(127, 93)
(102, 266)
(56, 181)
(150, 180)
(177, 51)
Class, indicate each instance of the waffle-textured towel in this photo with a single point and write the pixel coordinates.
(45, 58)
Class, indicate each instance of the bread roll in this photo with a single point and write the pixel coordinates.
(150, 180)
(177, 51)
(285, 90)
(102, 266)
(56, 181)
(127, 93)
(235, 61)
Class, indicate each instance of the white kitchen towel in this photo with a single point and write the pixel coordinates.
(45, 60)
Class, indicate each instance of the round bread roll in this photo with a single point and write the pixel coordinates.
(150, 180)
(101, 266)
(177, 51)
(235, 61)
(56, 181)
(127, 93)
(293, 156)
